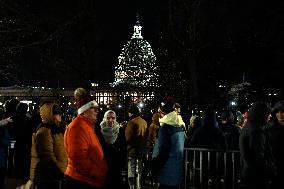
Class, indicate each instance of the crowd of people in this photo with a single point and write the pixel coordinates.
(92, 150)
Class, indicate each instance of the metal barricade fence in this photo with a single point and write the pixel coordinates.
(10, 159)
(207, 168)
(203, 168)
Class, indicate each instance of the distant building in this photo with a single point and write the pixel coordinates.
(136, 80)
(136, 63)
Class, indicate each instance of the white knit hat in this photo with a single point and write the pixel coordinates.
(84, 101)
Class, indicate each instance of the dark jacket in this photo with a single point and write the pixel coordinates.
(209, 135)
(22, 156)
(232, 134)
(116, 157)
(276, 136)
(257, 162)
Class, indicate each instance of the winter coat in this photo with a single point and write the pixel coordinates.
(48, 157)
(135, 135)
(232, 134)
(116, 157)
(276, 133)
(208, 136)
(257, 162)
(86, 160)
(153, 129)
(22, 156)
(168, 153)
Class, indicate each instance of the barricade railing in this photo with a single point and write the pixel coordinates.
(10, 159)
(203, 168)
(207, 168)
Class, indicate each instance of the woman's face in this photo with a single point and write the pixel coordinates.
(110, 119)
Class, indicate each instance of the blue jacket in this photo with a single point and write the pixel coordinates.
(168, 152)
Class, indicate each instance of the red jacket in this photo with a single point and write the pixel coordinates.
(86, 161)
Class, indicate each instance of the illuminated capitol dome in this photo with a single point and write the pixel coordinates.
(136, 63)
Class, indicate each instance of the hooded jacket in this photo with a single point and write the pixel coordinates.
(135, 135)
(168, 153)
(257, 162)
(48, 157)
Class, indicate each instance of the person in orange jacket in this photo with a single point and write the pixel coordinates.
(87, 167)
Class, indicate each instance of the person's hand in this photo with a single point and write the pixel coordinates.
(9, 120)
(4, 122)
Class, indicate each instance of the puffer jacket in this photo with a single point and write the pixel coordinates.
(86, 159)
(48, 157)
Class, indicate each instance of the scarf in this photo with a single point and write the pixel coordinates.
(110, 133)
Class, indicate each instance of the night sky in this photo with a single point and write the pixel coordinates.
(68, 43)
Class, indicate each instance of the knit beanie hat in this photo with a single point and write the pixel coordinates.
(278, 106)
(22, 108)
(167, 105)
(228, 115)
(10, 106)
(258, 112)
(84, 101)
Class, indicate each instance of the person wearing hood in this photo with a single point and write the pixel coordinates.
(114, 145)
(230, 130)
(48, 157)
(257, 161)
(153, 130)
(168, 153)
(276, 133)
(209, 135)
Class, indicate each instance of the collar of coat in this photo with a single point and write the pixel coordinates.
(172, 119)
